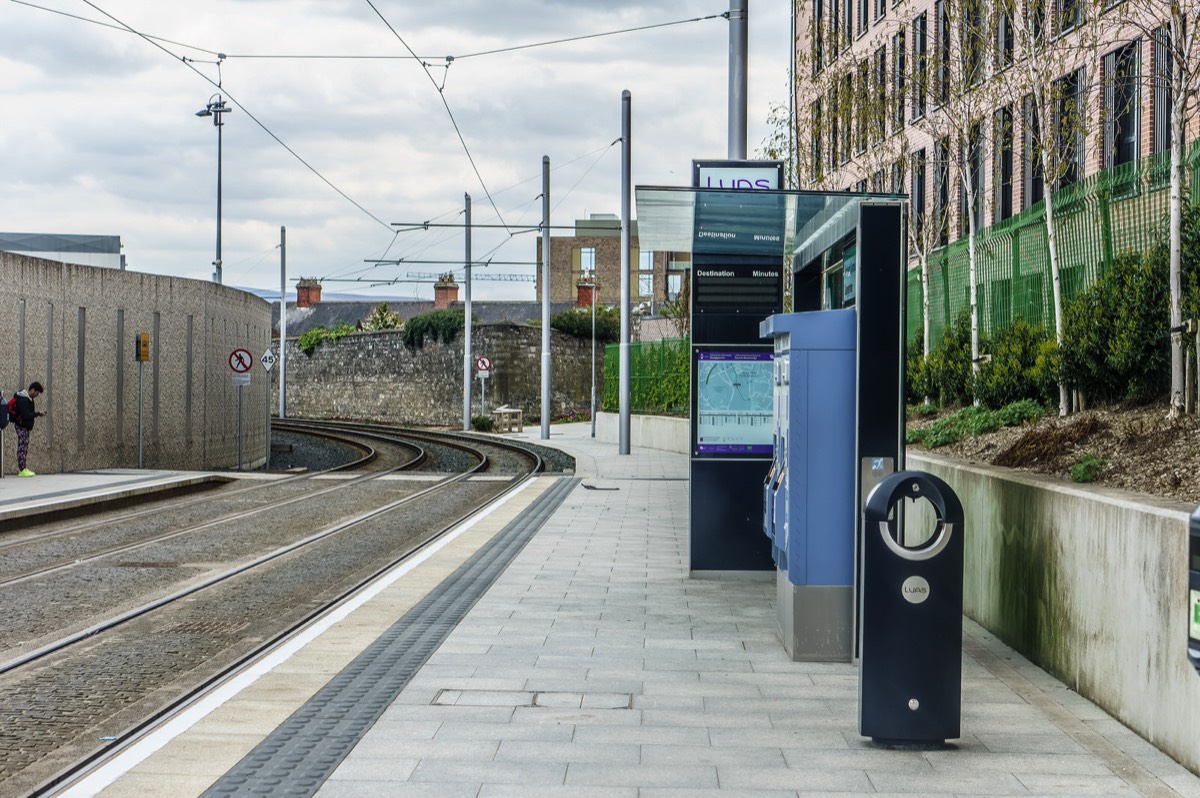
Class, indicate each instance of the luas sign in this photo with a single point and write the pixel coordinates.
(738, 175)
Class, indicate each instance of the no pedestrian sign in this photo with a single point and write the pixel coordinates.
(483, 363)
(240, 360)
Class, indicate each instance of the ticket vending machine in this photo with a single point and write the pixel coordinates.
(809, 493)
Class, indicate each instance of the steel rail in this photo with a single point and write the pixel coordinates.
(122, 741)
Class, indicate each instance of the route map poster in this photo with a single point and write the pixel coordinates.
(735, 403)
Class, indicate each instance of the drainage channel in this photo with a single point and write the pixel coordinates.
(297, 758)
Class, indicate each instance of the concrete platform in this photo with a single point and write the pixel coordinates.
(595, 666)
(46, 494)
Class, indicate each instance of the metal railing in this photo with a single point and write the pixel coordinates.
(1096, 219)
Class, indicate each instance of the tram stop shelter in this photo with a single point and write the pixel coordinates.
(755, 252)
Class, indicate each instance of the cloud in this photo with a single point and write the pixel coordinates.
(100, 134)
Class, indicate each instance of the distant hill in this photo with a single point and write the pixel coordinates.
(326, 296)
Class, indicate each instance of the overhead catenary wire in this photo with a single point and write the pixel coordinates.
(251, 116)
(449, 112)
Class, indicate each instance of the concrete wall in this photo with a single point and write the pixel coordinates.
(374, 376)
(72, 328)
(1088, 583)
(650, 432)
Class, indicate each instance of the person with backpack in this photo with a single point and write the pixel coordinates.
(22, 413)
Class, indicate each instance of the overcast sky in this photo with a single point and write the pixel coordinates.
(98, 132)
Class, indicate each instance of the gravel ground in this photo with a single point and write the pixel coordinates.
(315, 454)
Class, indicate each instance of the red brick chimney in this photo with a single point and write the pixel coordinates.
(308, 293)
(585, 293)
(445, 291)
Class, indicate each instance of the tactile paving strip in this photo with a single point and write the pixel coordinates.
(297, 758)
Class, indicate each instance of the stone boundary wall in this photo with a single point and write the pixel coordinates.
(372, 375)
(1088, 583)
(72, 328)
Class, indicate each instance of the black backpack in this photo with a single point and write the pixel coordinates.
(3, 414)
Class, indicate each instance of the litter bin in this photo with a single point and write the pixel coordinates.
(1194, 589)
(910, 673)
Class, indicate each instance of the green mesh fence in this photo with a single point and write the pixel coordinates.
(658, 376)
(1096, 219)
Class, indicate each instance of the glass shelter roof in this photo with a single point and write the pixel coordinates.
(801, 224)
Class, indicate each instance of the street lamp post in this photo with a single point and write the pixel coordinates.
(214, 108)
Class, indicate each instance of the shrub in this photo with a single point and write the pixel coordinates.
(482, 423)
(313, 337)
(1087, 469)
(578, 322)
(956, 426)
(1116, 336)
(382, 318)
(1013, 371)
(918, 378)
(1019, 412)
(440, 325)
(949, 364)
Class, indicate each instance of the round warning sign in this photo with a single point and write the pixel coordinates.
(240, 360)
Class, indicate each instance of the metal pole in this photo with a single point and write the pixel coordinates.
(545, 297)
(595, 286)
(141, 407)
(738, 46)
(626, 159)
(467, 323)
(282, 322)
(239, 426)
(219, 124)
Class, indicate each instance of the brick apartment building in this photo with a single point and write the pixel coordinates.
(594, 253)
(903, 96)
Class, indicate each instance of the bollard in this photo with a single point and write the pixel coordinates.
(910, 674)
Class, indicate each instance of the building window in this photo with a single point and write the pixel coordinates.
(973, 40)
(975, 199)
(1005, 38)
(1070, 14)
(879, 113)
(918, 193)
(1036, 9)
(817, 132)
(645, 283)
(1071, 95)
(860, 187)
(1121, 70)
(864, 107)
(1164, 70)
(1035, 184)
(920, 64)
(942, 90)
(587, 261)
(818, 23)
(1003, 169)
(880, 9)
(834, 127)
(941, 191)
(899, 101)
(847, 23)
(897, 181)
(674, 286)
(864, 8)
(847, 109)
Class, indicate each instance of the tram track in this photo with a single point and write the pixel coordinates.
(309, 575)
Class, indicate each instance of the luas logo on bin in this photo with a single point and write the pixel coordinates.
(915, 589)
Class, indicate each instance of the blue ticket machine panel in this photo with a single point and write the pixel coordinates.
(811, 491)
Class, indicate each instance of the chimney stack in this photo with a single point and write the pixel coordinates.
(308, 293)
(445, 291)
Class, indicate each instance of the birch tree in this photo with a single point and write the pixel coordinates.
(1056, 58)
(1170, 26)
